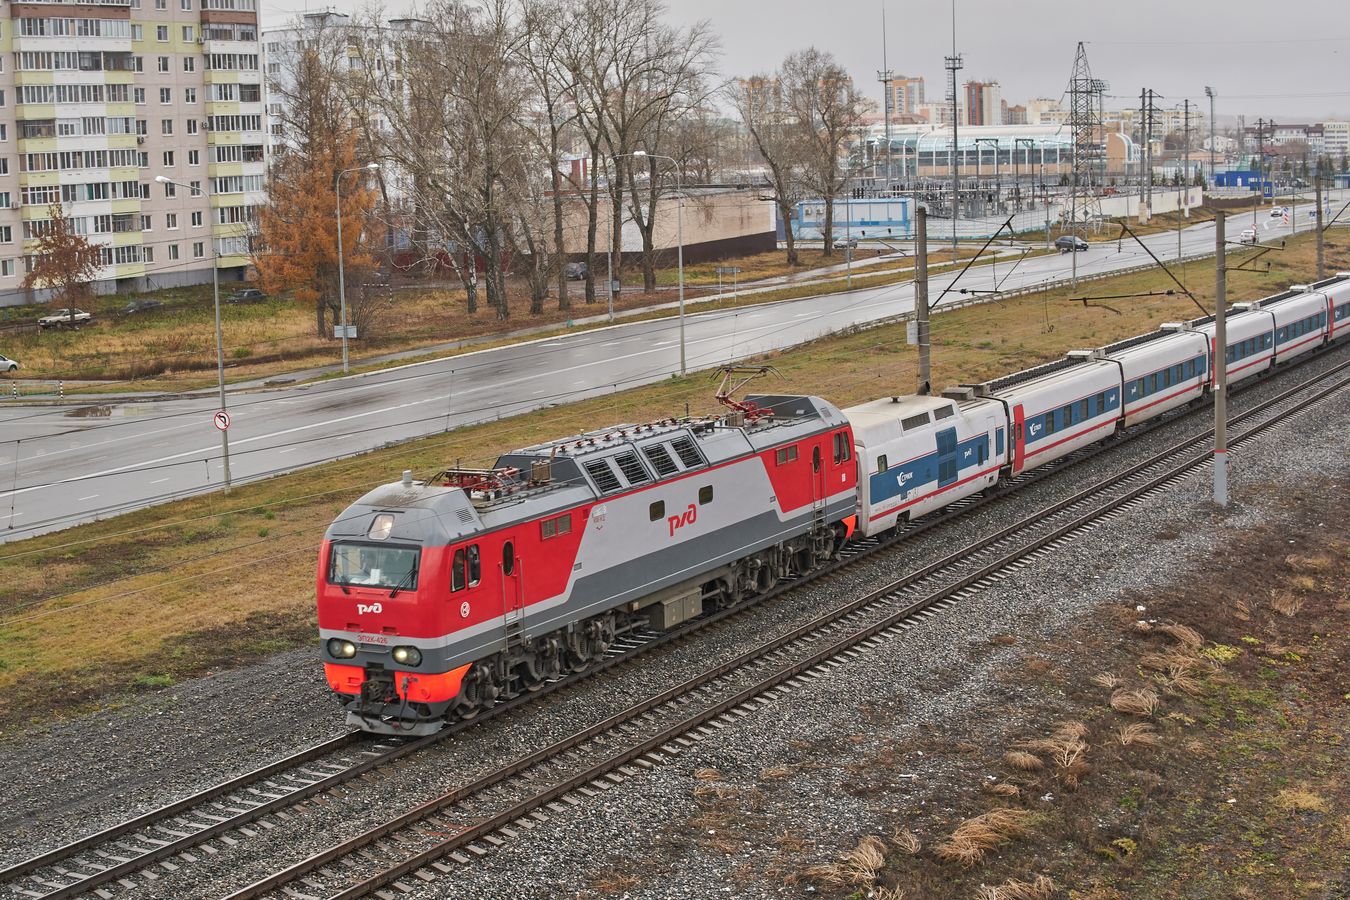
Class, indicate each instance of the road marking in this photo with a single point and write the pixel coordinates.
(287, 450)
(90, 497)
(159, 481)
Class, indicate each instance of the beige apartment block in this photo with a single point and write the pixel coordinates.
(97, 99)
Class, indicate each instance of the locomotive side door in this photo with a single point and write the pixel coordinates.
(818, 487)
(513, 587)
(1017, 452)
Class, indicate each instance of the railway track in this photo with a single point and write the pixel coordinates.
(429, 841)
(115, 854)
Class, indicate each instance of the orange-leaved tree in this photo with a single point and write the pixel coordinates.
(64, 262)
(297, 249)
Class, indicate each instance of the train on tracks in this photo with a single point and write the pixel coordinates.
(437, 598)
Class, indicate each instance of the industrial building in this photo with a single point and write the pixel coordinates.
(924, 151)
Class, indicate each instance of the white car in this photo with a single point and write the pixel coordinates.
(1248, 236)
(8, 365)
(65, 318)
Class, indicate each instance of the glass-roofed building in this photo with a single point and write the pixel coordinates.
(925, 150)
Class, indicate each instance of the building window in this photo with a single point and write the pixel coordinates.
(139, 95)
(185, 5)
(192, 127)
(4, 200)
(196, 186)
(187, 34)
(170, 189)
(6, 234)
(161, 64)
(6, 267)
(173, 251)
(137, 31)
(198, 250)
(161, 31)
(194, 156)
(197, 219)
(189, 95)
(148, 254)
(171, 221)
(166, 95)
(4, 132)
(168, 161)
(145, 223)
(166, 126)
(189, 64)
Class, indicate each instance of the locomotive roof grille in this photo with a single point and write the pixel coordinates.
(660, 459)
(1136, 341)
(1023, 377)
(603, 476)
(1334, 279)
(684, 448)
(632, 469)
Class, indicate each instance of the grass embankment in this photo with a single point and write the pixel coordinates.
(1201, 753)
(178, 589)
(173, 348)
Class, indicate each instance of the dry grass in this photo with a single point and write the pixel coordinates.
(975, 837)
(1106, 680)
(775, 772)
(1181, 683)
(1320, 563)
(1138, 733)
(1286, 603)
(1242, 611)
(885, 893)
(1183, 634)
(1001, 789)
(1043, 888)
(707, 774)
(858, 866)
(906, 841)
(1300, 799)
(1023, 761)
(1143, 702)
(613, 881)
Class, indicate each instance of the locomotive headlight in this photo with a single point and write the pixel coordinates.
(407, 656)
(341, 649)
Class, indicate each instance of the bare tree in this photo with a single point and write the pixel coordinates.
(64, 262)
(453, 116)
(827, 110)
(764, 113)
(553, 114)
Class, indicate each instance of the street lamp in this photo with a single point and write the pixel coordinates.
(679, 235)
(342, 277)
(220, 347)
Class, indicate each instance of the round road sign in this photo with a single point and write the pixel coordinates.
(221, 420)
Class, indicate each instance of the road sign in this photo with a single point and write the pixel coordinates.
(221, 420)
(728, 270)
(349, 329)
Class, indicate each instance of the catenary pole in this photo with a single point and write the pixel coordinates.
(1220, 365)
(1317, 196)
(921, 299)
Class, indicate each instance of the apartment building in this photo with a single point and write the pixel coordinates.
(984, 103)
(97, 99)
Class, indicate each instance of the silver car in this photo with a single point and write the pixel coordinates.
(8, 365)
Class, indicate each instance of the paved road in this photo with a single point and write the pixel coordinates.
(59, 466)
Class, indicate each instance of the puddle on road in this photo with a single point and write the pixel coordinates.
(90, 412)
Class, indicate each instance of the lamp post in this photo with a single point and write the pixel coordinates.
(679, 235)
(220, 346)
(342, 277)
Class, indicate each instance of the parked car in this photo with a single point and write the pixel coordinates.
(136, 306)
(65, 318)
(1070, 243)
(575, 271)
(8, 365)
(1248, 236)
(247, 295)
(846, 244)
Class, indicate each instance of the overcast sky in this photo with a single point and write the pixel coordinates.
(1286, 60)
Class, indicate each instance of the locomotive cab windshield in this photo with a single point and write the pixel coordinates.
(382, 566)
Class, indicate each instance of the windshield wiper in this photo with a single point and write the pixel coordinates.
(412, 573)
